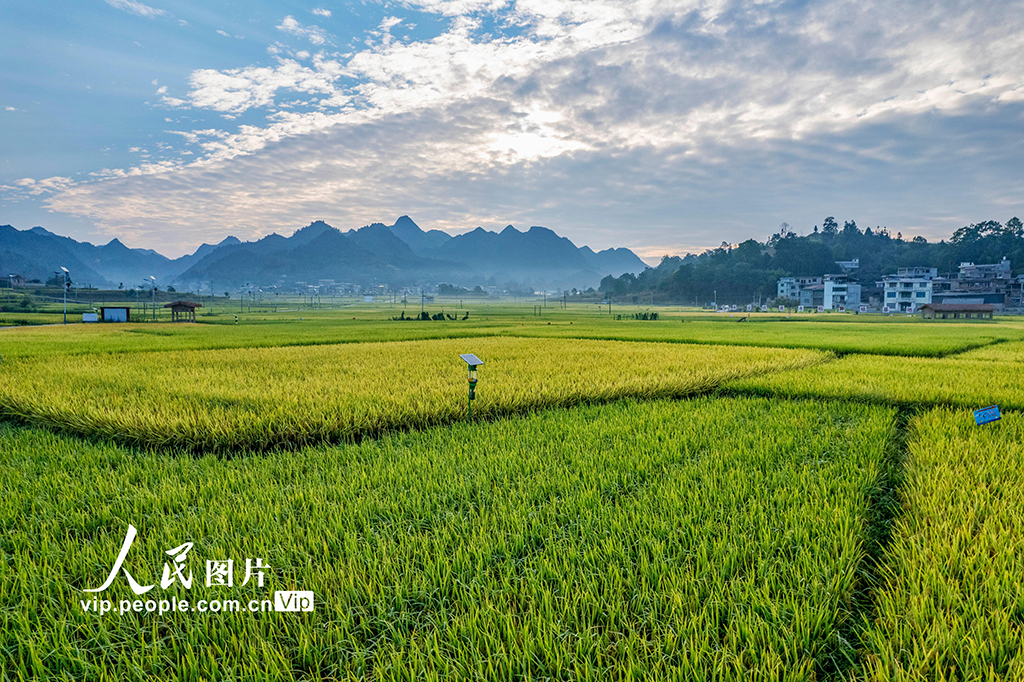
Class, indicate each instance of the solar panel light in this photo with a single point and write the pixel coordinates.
(473, 362)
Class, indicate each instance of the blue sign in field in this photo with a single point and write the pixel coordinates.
(986, 415)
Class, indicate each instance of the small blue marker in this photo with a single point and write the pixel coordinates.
(986, 415)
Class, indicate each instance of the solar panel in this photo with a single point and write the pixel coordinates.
(471, 359)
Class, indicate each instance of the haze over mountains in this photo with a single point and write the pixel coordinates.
(398, 255)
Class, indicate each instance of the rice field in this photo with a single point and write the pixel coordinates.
(687, 498)
(834, 333)
(260, 398)
(953, 602)
(962, 381)
(899, 338)
(695, 539)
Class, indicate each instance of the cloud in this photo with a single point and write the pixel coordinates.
(670, 123)
(38, 187)
(137, 8)
(9, 109)
(313, 34)
(321, 12)
(237, 90)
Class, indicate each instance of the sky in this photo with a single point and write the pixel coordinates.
(665, 127)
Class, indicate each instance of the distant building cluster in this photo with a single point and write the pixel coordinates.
(909, 289)
(831, 292)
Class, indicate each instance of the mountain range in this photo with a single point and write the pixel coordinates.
(401, 254)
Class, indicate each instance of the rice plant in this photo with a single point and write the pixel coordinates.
(698, 539)
(259, 398)
(953, 604)
(964, 381)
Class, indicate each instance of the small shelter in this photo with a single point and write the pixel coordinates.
(957, 311)
(183, 311)
(118, 313)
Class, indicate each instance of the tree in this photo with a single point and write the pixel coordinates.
(830, 226)
(1014, 226)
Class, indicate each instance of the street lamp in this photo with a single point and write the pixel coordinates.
(473, 362)
(66, 278)
(152, 283)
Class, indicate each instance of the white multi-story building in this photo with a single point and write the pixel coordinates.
(908, 289)
(790, 287)
(986, 272)
(831, 292)
(840, 293)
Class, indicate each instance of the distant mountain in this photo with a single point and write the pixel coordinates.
(418, 240)
(38, 254)
(614, 261)
(537, 255)
(399, 255)
(511, 252)
(317, 251)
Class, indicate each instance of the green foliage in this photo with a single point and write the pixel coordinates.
(740, 272)
(680, 540)
(646, 315)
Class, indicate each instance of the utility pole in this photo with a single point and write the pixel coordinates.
(66, 281)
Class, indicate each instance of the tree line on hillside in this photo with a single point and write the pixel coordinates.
(741, 272)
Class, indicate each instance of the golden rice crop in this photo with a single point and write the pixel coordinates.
(896, 380)
(258, 398)
(998, 352)
(696, 539)
(880, 337)
(953, 604)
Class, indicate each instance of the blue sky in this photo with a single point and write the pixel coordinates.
(663, 126)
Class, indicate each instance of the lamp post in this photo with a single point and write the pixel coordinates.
(473, 362)
(152, 283)
(66, 277)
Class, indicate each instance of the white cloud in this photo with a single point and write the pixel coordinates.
(39, 187)
(223, 33)
(321, 12)
(596, 104)
(237, 90)
(313, 34)
(9, 109)
(137, 8)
